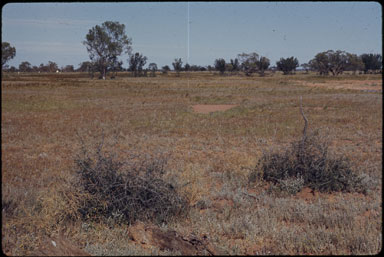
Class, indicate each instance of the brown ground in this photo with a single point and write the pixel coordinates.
(208, 108)
(46, 117)
(365, 85)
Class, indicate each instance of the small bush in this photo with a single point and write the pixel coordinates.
(126, 191)
(310, 160)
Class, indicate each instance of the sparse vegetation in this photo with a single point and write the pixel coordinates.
(211, 159)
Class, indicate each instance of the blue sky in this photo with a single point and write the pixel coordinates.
(43, 32)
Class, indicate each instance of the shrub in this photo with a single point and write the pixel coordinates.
(310, 160)
(126, 191)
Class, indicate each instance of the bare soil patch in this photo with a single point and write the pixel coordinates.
(208, 108)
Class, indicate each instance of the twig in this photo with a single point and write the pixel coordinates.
(305, 120)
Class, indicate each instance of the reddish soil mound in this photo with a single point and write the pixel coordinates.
(208, 108)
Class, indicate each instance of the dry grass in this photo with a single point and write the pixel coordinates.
(210, 156)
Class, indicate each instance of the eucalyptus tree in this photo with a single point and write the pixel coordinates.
(136, 63)
(106, 43)
(372, 62)
(25, 67)
(153, 68)
(354, 63)
(330, 61)
(8, 52)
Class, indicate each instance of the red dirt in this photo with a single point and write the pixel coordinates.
(208, 108)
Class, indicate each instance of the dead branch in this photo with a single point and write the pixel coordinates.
(305, 120)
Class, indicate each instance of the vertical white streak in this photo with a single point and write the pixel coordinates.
(188, 41)
(188, 34)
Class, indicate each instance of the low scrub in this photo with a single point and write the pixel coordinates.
(126, 191)
(307, 163)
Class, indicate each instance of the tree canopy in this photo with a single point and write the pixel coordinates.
(220, 65)
(330, 61)
(287, 65)
(136, 63)
(177, 65)
(372, 62)
(106, 43)
(8, 52)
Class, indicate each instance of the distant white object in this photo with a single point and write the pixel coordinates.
(54, 243)
(57, 71)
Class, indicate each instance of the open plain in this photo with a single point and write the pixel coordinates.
(48, 118)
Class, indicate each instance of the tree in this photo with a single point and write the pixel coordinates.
(116, 66)
(35, 68)
(220, 65)
(251, 63)
(354, 63)
(320, 63)
(89, 67)
(338, 61)
(228, 67)
(25, 67)
(330, 61)
(7, 53)
(194, 67)
(372, 62)
(177, 66)
(165, 69)
(106, 43)
(43, 68)
(136, 63)
(306, 67)
(12, 69)
(262, 65)
(248, 62)
(68, 68)
(153, 68)
(235, 65)
(287, 65)
(187, 67)
(52, 66)
(85, 66)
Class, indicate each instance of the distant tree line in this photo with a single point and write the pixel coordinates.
(107, 42)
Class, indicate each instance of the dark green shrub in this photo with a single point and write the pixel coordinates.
(126, 191)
